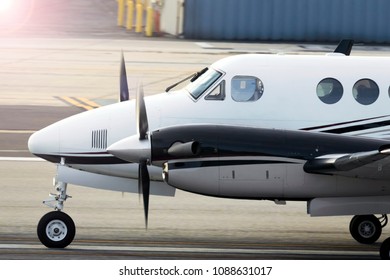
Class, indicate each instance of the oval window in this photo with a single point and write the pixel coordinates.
(389, 91)
(329, 90)
(365, 91)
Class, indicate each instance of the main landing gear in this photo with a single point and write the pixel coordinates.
(367, 229)
(56, 229)
(385, 249)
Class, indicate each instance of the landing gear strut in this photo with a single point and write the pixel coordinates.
(366, 229)
(56, 229)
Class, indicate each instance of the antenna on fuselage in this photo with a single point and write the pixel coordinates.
(344, 47)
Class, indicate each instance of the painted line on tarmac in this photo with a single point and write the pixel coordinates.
(14, 151)
(209, 46)
(30, 159)
(204, 45)
(15, 131)
(88, 102)
(80, 102)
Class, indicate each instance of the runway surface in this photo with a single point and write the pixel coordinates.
(49, 63)
(97, 250)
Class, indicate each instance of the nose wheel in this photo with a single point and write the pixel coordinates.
(56, 230)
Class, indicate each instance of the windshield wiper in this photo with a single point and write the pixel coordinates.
(193, 77)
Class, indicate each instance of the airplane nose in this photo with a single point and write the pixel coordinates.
(45, 141)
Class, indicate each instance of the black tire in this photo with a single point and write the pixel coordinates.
(385, 249)
(56, 230)
(365, 229)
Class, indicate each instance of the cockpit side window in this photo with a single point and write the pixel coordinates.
(246, 88)
(218, 93)
(203, 83)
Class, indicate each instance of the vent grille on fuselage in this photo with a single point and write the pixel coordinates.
(99, 139)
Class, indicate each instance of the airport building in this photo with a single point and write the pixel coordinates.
(278, 20)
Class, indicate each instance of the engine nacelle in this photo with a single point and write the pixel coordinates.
(192, 177)
(224, 179)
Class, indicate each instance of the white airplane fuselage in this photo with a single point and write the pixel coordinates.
(288, 100)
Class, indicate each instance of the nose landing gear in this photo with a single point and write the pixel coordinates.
(56, 229)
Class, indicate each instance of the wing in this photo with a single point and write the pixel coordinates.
(371, 164)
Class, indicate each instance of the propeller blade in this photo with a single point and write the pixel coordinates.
(144, 185)
(124, 89)
(135, 148)
(142, 118)
(143, 128)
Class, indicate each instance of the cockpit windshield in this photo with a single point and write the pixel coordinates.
(201, 84)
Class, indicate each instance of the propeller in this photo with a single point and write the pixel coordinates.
(143, 173)
(137, 149)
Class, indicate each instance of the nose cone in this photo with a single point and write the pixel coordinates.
(131, 149)
(45, 142)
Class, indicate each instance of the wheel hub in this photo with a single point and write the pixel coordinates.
(56, 230)
(367, 229)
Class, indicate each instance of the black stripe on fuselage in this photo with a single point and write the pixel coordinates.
(85, 159)
(358, 127)
(350, 128)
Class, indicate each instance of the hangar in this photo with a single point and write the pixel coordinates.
(279, 20)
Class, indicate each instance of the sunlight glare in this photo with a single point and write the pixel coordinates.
(5, 5)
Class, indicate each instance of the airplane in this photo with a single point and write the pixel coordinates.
(310, 128)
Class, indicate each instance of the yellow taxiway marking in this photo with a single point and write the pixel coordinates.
(88, 102)
(80, 102)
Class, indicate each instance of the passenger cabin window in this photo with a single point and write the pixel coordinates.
(389, 91)
(246, 88)
(329, 91)
(218, 93)
(365, 91)
(203, 83)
